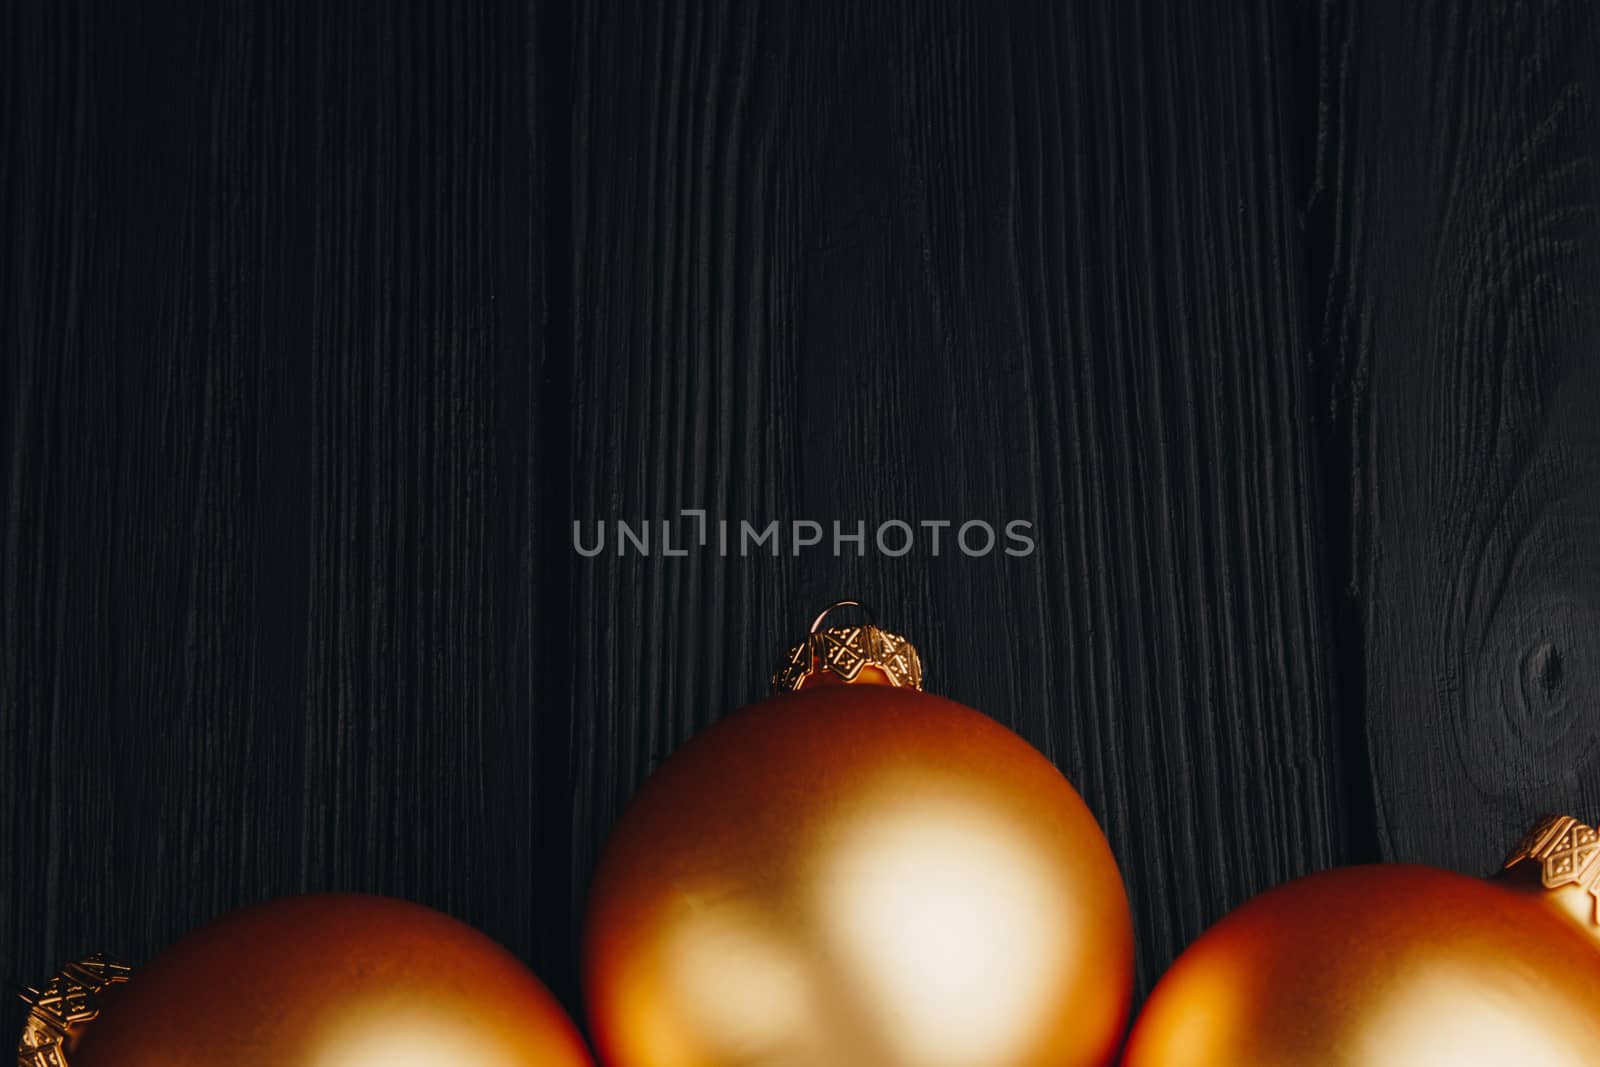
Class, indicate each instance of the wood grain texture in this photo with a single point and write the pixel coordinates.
(322, 325)
(843, 261)
(274, 332)
(1458, 179)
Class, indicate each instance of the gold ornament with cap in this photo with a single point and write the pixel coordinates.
(324, 980)
(854, 871)
(1396, 965)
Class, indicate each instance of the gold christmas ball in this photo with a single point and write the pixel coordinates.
(332, 981)
(1386, 966)
(857, 874)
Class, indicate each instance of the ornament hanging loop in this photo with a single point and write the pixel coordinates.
(816, 624)
(845, 654)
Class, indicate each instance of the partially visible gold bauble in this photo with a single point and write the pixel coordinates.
(857, 875)
(332, 981)
(1383, 966)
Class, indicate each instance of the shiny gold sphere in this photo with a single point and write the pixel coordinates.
(857, 876)
(1381, 966)
(333, 981)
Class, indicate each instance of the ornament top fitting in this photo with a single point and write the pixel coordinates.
(864, 653)
(59, 1010)
(1567, 853)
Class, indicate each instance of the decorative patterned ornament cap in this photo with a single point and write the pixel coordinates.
(59, 1010)
(1568, 854)
(842, 653)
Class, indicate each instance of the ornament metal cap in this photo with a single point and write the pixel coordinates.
(842, 653)
(59, 1010)
(1568, 854)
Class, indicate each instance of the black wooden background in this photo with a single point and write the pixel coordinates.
(321, 323)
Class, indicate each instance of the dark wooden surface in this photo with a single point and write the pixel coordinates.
(320, 326)
(1460, 190)
(839, 261)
